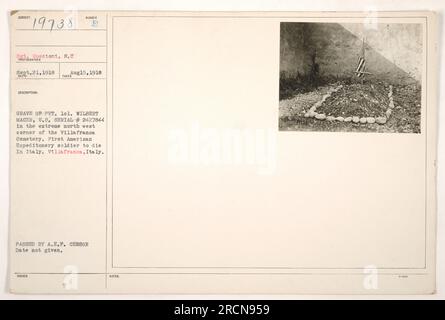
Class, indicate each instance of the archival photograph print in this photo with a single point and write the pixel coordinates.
(350, 77)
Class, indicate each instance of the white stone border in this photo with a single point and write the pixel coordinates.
(312, 113)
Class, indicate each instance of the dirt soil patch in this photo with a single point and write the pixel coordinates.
(361, 100)
(405, 117)
(300, 103)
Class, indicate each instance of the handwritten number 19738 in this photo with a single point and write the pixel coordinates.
(51, 24)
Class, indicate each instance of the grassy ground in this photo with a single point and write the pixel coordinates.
(370, 100)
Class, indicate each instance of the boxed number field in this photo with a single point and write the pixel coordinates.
(37, 71)
(83, 70)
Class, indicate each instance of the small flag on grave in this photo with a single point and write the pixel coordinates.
(360, 70)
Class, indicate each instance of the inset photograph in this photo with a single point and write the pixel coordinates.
(350, 77)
